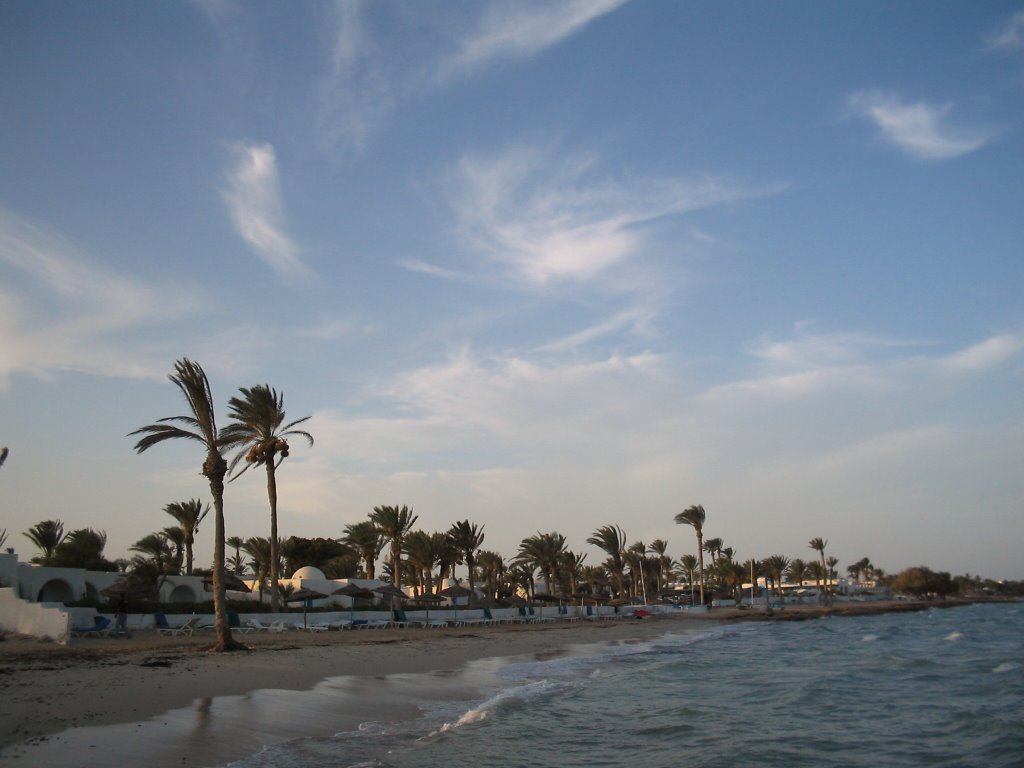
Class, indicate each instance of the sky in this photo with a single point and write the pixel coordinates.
(545, 266)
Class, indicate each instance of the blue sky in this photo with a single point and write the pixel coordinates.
(545, 266)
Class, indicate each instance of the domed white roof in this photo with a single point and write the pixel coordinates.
(308, 572)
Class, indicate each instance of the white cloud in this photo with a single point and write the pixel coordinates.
(371, 73)
(920, 129)
(521, 29)
(985, 354)
(66, 314)
(1011, 36)
(254, 200)
(548, 219)
(635, 320)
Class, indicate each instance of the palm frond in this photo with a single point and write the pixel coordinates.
(157, 433)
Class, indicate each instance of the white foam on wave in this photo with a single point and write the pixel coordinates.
(869, 638)
(953, 636)
(484, 710)
(1006, 666)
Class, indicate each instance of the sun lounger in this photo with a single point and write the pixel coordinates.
(310, 627)
(259, 626)
(163, 628)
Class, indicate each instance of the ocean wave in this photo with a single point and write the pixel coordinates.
(869, 638)
(1006, 666)
(953, 636)
(517, 696)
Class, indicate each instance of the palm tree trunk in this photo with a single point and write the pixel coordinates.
(218, 468)
(700, 557)
(275, 605)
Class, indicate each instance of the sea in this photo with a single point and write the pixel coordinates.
(940, 687)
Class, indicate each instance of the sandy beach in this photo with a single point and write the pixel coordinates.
(168, 701)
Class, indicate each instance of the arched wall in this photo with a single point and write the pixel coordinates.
(183, 594)
(56, 591)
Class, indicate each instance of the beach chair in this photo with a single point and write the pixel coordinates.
(236, 624)
(259, 626)
(401, 621)
(163, 628)
(319, 627)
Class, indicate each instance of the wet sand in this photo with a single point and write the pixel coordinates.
(166, 701)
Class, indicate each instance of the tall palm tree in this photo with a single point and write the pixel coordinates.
(688, 563)
(635, 557)
(257, 435)
(155, 549)
(258, 548)
(819, 545)
(47, 535)
(176, 540)
(714, 547)
(394, 523)
(776, 566)
(544, 551)
(236, 562)
(200, 425)
(659, 547)
(366, 538)
(612, 540)
(695, 516)
(421, 552)
(189, 515)
(492, 568)
(467, 538)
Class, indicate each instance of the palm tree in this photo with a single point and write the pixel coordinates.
(156, 550)
(492, 568)
(394, 523)
(4, 452)
(236, 563)
(200, 425)
(421, 552)
(467, 538)
(819, 545)
(543, 552)
(659, 547)
(366, 538)
(47, 535)
(831, 562)
(714, 547)
(572, 569)
(258, 548)
(776, 566)
(188, 514)
(689, 565)
(257, 434)
(176, 540)
(635, 557)
(612, 540)
(694, 516)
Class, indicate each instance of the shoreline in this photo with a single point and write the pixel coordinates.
(54, 696)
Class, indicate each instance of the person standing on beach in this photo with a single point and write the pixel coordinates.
(121, 620)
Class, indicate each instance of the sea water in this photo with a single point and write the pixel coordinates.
(933, 688)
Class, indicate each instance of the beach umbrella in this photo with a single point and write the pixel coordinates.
(425, 601)
(389, 590)
(231, 581)
(453, 592)
(353, 591)
(306, 596)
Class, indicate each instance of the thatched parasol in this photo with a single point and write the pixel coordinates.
(453, 592)
(353, 591)
(425, 600)
(306, 596)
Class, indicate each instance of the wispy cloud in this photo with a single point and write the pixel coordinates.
(920, 129)
(520, 30)
(253, 196)
(985, 354)
(1010, 36)
(547, 219)
(370, 73)
(635, 320)
(65, 314)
